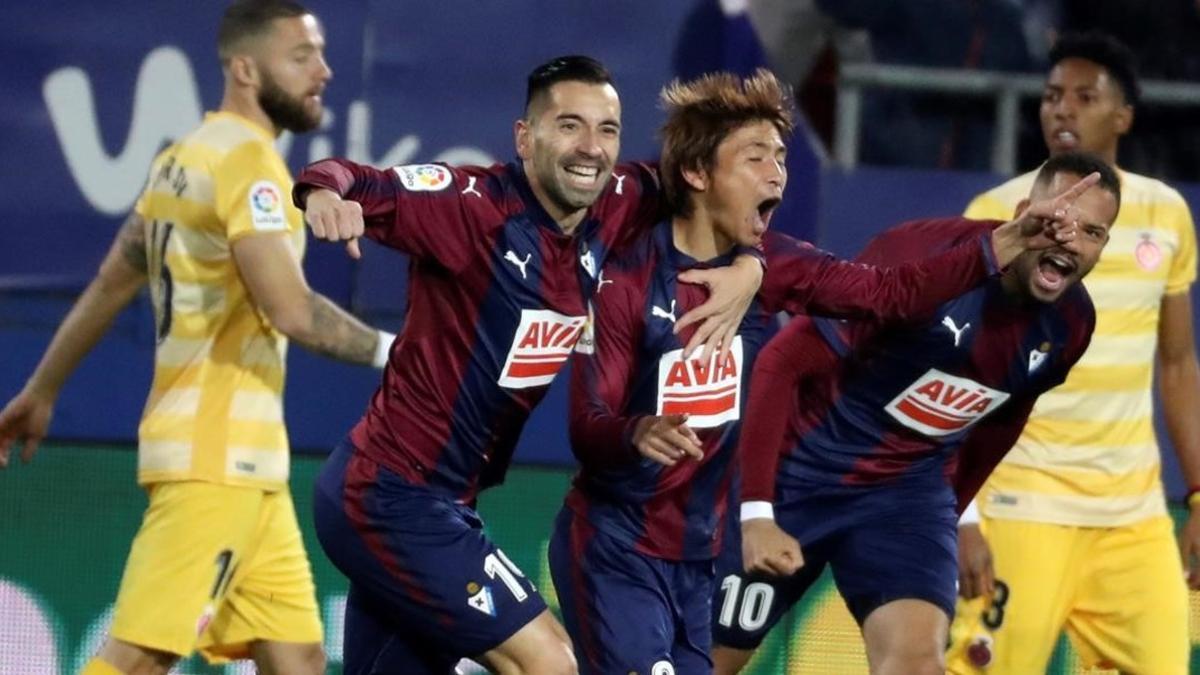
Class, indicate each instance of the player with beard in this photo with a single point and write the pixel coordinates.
(218, 563)
(868, 435)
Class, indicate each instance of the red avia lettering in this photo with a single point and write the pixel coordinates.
(542, 343)
(707, 391)
(693, 372)
(543, 334)
(957, 398)
(939, 404)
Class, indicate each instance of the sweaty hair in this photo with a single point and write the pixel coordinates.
(1081, 164)
(574, 68)
(251, 18)
(1105, 51)
(702, 112)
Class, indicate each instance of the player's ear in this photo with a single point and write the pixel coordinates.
(1021, 206)
(1123, 119)
(244, 70)
(521, 138)
(696, 177)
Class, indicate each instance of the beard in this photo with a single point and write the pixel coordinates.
(286, 112)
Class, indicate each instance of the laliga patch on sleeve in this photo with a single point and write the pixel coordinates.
(266, 207)
(424, 177)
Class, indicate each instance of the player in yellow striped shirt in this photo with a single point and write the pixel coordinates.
(218, 563)
(1074, 530)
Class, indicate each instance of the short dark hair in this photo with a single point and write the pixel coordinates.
(572, 68)
(1105, 51)
(703, 112)
(1081, 164)
(251, 18)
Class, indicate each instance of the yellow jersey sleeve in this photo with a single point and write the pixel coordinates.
(1178, 217)
(252, 192)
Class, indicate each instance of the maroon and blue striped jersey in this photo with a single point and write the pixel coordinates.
(930, 405)
(633, 367)
(497, 299)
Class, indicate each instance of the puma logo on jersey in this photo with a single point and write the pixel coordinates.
(601, 281)
(661, 313)
(541, 345)
(620, 183)
(958, 332)
(708, 391)
(939, 404)
(512, 258)
(470, 189)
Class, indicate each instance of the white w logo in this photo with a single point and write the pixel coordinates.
(165, 107)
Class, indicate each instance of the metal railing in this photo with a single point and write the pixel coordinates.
(1008, 89)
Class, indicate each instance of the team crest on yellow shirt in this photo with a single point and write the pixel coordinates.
(1147, 253)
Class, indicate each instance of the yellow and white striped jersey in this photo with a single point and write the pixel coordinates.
(215, 409)
(1089, 456)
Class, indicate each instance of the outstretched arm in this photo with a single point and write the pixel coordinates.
(27, 416)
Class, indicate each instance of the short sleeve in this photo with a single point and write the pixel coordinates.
(1178, 217)
(252, 191)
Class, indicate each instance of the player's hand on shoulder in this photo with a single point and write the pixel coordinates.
(25, 419)
(666, 439)
(334, 219)
(731, 290)
(767, 549)
(976, 574)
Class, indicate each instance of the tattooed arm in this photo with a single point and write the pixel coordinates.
(272, 274)
(121, 275)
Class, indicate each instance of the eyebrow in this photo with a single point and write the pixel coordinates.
(579, 118)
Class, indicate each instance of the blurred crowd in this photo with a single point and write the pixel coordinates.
(807, 40)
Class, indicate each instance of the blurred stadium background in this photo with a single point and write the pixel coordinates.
(94, 90)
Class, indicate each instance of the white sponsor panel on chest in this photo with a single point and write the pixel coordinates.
(939, 404)
(710, 393)
(541, 345)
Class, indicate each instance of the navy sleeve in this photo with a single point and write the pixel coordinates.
(601, 433)
(425, 210)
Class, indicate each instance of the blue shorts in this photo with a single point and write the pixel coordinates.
(628, 612)
(427, 586)
(881, 548)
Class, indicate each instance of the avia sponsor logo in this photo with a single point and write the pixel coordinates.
(543, 341)
(710, 393)
(938, 404)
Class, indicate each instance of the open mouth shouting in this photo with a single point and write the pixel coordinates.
(1054, 269)
(766, 208)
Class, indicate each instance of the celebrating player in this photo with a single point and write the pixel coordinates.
(864, 431)
(504, 260)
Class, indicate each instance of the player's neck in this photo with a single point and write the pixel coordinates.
(697, 236)
(246, 106)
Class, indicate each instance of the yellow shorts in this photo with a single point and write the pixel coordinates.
(1119, 592)
(215, 568)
